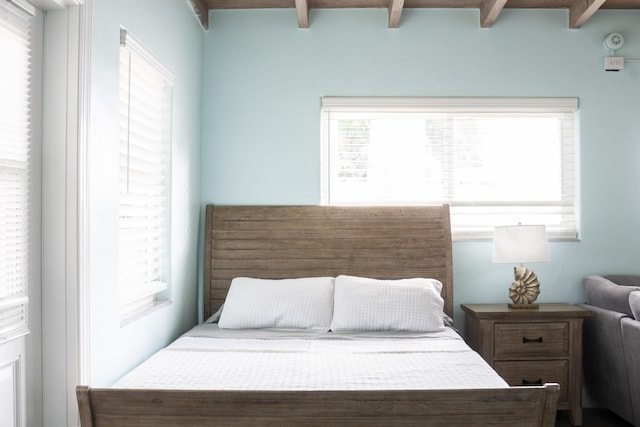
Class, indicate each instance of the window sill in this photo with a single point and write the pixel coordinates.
(143, 311)
(14, 335)
(460, 239)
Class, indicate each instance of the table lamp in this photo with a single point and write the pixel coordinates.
(521, 244)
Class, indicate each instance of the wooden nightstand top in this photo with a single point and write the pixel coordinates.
(544, 311)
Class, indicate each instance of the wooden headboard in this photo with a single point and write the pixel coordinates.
(277, 242)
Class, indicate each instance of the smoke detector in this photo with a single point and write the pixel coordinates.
(613, 41)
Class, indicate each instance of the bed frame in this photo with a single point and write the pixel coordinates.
(303, 241)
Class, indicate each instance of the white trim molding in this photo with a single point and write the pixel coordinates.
(487, 104)
(11, 395)
(55, 4)
(65, 221)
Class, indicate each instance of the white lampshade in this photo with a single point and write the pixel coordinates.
(520, 244)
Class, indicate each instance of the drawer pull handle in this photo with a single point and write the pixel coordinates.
(527, 382)
(526, 340)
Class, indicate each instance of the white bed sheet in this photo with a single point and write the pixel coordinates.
(208, 358)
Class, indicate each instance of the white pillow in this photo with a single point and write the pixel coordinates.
(305, 303)
(362, 304)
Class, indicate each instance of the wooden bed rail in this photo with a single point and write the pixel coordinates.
(513, 407)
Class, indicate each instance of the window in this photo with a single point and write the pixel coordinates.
(495, 161)
(144, 196)
(15, 167)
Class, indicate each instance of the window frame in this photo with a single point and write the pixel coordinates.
(566, 109)
(145, 161)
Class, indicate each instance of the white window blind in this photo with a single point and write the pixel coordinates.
(15, 123)
(144, 199)
(495, 161)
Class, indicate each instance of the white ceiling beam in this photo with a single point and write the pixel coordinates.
(489, 11)
(302, 9)
(395, 12)
(581, 10)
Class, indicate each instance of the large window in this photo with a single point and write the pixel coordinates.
(145, 178)
(495, 161)
(15, 166)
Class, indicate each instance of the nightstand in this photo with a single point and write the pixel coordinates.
(532, 346)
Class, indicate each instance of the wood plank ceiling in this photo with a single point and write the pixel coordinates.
(579, 10)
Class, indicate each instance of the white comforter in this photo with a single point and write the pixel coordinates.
(209, 358)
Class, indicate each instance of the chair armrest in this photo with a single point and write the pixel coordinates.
(602, 292)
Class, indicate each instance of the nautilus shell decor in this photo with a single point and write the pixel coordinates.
(526, 287)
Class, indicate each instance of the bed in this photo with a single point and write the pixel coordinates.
(237, 370)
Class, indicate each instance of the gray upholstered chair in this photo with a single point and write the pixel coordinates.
(612, 343)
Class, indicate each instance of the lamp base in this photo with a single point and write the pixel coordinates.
(524, 306)
(525, 289)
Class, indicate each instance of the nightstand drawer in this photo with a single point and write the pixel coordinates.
(519, 373)
(546, 339)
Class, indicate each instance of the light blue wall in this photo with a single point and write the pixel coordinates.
(264, 77)
(171, 31)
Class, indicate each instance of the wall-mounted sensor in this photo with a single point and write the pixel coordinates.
(613, 41)
(614, 63)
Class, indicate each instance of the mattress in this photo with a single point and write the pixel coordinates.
(209, 358)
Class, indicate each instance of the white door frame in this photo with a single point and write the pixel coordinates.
(65, 286)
